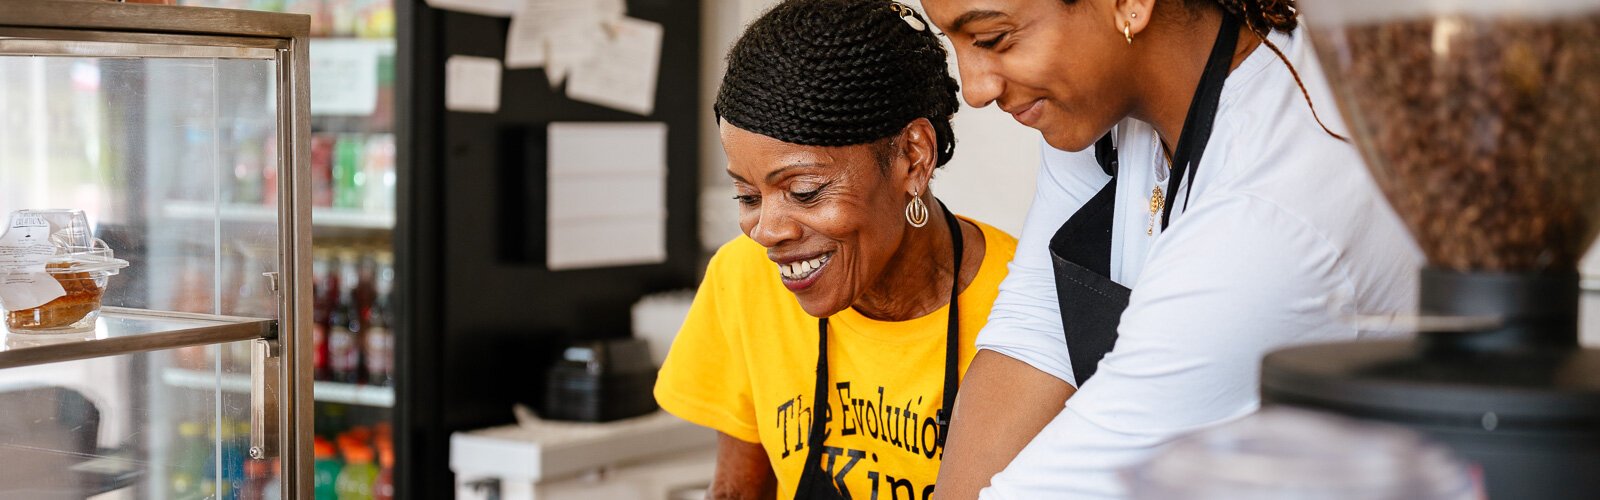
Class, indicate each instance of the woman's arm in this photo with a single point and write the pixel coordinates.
(1020, 377)
(743, 471)
(1002, 404)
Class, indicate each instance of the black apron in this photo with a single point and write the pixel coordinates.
(1080, 252)
(826, 481)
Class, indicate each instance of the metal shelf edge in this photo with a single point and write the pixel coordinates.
(321, 217)
(330, 392)
(231, 329)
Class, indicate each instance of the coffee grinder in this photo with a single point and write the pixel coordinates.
(1480, 121)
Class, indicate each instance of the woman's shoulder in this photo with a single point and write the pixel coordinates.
(997, 243)
(999, 247)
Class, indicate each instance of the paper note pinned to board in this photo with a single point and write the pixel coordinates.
(495, 8)
(622, 73)
(557, 32)
(472, 84)
(347, 76)
(607, 185)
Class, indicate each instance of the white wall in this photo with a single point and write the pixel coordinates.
(990, 178)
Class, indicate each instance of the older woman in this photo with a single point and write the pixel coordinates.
(825, 345)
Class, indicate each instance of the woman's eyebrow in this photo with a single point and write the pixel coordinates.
(973, 16)
(775, 174)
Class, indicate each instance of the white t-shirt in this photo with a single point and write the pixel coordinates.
(1287, 241)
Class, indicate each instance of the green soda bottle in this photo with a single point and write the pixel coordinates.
(355, 482)
(347, 172)
(325, 470)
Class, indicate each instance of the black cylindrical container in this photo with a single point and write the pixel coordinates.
(1519, 398)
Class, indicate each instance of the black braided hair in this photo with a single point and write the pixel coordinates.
(838, 73)
(1263, 16)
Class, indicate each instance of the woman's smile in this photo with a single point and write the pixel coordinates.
(799, 275)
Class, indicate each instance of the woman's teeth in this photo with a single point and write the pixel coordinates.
(802, 269)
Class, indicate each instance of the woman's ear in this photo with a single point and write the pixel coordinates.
(920, 147)
(1134, 15)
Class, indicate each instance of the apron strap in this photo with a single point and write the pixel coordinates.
(952, 346)
(1202, 114)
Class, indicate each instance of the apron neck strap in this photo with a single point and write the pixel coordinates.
(1202, 114)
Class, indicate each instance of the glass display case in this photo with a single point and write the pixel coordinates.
(169, 355)
(353, 157)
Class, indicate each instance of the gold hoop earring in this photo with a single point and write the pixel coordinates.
(917, 212)
(1127, 31)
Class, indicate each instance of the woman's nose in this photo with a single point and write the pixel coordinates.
(980, 85)
(774, 226)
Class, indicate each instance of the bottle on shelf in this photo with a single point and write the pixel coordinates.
(378, 347)
(344, 350)
(325, 286)
(247, 172)
(269, 176)
(258, 474)
(345, 330)
(325, 469)
(188, 461)
(322, 146)
(383, 486)
(356, 480)
(377, 195)
(348, 179)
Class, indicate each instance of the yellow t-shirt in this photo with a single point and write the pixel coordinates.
(744, 363)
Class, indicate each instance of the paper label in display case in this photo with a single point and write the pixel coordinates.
(24, 248)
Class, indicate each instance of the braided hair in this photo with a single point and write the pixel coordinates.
(839, 73)
(1262, 16)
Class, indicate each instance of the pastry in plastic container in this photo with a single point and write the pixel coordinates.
(53, 272)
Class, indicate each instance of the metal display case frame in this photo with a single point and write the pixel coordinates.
(281, 375)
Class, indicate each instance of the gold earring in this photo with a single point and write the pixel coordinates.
(917, 211)
(1127, 31)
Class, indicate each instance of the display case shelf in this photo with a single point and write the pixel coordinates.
(330, 392)
(343, 218)
(124, 331)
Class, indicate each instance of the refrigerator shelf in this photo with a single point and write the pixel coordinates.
(124, 331)
(376, 396)
(343, 218)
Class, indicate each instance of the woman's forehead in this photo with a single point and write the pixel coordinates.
(754, 157)
(957, 15)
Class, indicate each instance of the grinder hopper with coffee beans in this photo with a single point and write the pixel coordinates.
(1480, 121)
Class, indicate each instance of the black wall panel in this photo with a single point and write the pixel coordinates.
(484, 317)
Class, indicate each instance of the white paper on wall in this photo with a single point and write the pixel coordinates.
(531, 39)
(607, 194)
(347, 75)
(622, 72)
(472, 84)
(559, 34)
(494, 8)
